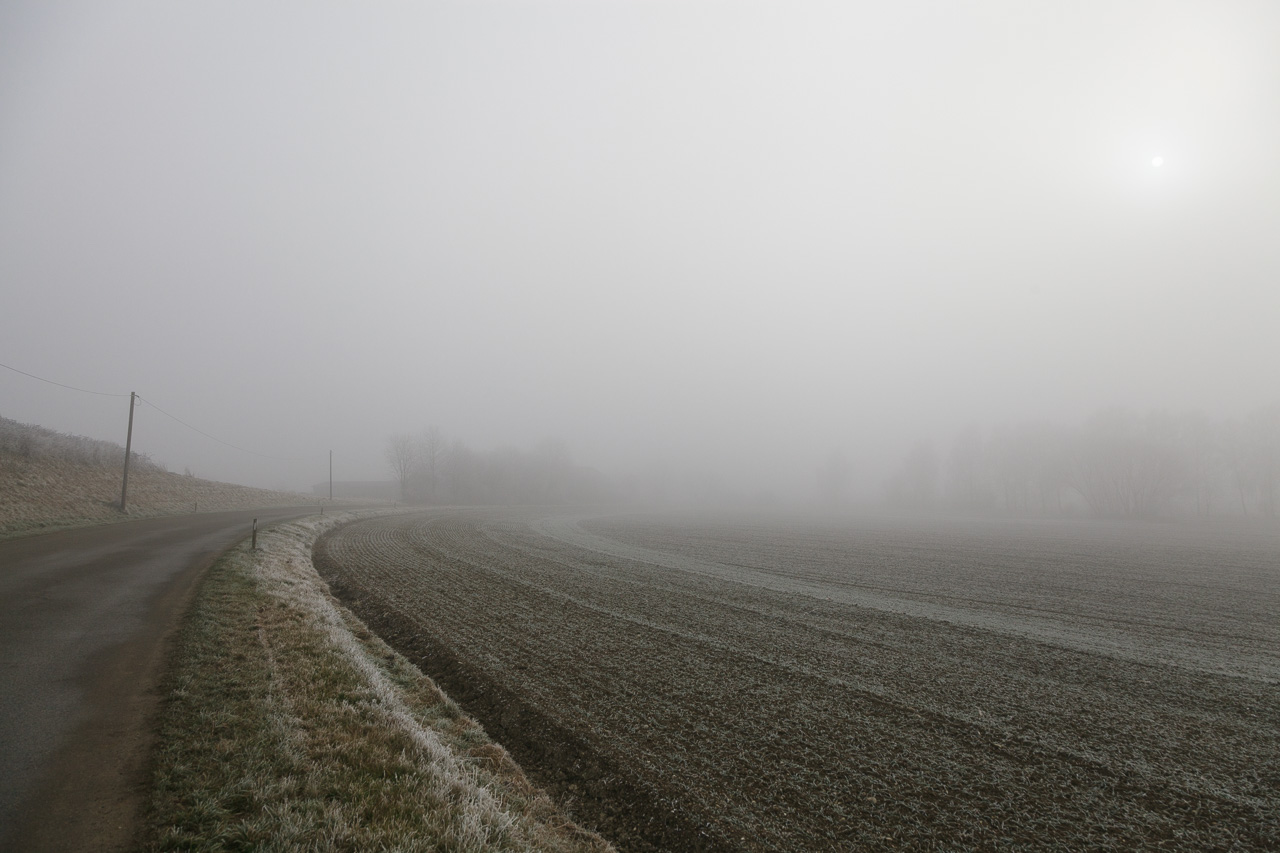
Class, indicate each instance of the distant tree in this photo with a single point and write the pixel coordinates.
(462, 469)
(552, 468)
(401, 455)
(430, 450)
(834, 476)
(1262, 434)
(1049, 450)
(1237, 459)
(1199, 446)
(1013, 458)
(1122, 466)
(915, 484)
(966, 481)
(502, 477)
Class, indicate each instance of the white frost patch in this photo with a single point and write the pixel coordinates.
(1081, 635)
(285, 570)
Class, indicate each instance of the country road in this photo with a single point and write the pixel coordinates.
(84, 618)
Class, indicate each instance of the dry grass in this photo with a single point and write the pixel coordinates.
(44, 493)
(288, 726)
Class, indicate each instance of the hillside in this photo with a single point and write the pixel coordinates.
(49, 479)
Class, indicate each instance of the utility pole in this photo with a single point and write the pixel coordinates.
(128, 451)
(330, 475)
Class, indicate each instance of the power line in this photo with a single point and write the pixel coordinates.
(60, 385)
(163, 412)
(220, 441)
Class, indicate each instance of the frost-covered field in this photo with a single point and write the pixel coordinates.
(768, 685)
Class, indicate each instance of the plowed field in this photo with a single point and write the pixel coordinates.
(760, 685)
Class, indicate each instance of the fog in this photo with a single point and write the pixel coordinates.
(727, 238)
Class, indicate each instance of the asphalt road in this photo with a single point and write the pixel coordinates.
(84, 619)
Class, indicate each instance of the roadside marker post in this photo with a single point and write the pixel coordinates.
(254, 545)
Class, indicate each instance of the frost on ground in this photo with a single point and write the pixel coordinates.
(1137, 610)
(776, 686)
(289, 725)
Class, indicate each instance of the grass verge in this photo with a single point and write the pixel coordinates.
(287, 725)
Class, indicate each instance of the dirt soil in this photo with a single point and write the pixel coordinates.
(765, 686)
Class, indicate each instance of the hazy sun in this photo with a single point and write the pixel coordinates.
(1157, 161)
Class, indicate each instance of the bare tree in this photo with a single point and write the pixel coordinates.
(401, 455)
(1198, 444)
(1262, 430)
(1122, 466)
(430, 454)
(463, 474)
(967, 469)
(915, 484)
(552, 469)
(834, 475)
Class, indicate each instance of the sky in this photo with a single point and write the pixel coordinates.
(727, 234)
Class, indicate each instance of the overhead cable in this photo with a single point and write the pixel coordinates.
(61, 385)
(161, 411)
(215, 438)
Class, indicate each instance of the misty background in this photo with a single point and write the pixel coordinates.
(736, 241)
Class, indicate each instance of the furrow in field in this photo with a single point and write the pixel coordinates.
(764, 718)
(1237, 636)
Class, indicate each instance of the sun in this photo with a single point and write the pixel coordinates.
(1157, 161)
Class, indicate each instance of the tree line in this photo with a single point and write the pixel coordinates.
(1116, 463)
(431, 469)
(29, 441)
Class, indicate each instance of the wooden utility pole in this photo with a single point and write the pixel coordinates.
(128, 451)
(330, 475)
